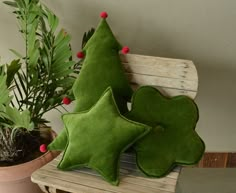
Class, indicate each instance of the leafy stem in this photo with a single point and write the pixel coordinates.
(46, 78)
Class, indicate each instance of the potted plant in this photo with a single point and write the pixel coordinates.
(38, 81)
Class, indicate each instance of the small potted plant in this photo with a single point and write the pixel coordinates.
(38, 81)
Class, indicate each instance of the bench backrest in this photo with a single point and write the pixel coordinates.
(171, 76)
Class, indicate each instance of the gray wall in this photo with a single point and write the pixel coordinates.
(200, 30)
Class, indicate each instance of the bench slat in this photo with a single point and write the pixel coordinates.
(131, 180)
(173, 76)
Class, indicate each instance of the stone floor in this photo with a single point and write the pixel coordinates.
(207, 180)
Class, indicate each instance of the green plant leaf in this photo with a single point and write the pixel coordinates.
(4, 94)
(55, 24)
(59, 37)
(64, 43)
(12, 69)
(22, 81)
(10, 3)
(33, 57)
(20, 119)
(64, 73)
(66, 82)
(87, 36)
(63, 57)
(52, 20)
(58, 67)
(16, 53)
(45, 59)
(6, 125)
(31, 37)
(21, 4)
(33, 16)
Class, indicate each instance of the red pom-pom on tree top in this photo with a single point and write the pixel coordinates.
(103, 15)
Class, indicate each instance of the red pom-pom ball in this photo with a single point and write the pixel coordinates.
(80, 55)
(43, 148)
(104, 15)
(66, 101)
(125, 50)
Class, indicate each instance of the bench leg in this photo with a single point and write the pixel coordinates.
(43, 188)
(47, 189)
(54, 190)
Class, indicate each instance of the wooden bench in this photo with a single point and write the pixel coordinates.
(172, 77)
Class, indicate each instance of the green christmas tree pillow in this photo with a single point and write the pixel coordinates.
(173, 139)
(101, 68)
(97, 137)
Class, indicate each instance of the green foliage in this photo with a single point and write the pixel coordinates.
(37, 79)
(4, 94)
(20, 119)
(46, 78)
(12, 69)
(87, 35)
(11, 117)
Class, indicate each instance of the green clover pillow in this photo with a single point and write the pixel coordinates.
(97, 137)
(173, 139)
(101, 68)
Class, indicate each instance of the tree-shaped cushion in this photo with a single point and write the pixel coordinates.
(173, 139)
(101, 68)
(97, 137)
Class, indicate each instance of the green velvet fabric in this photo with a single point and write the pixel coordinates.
(173, 139)
(97, 137)
(59, 143)
(101, 68)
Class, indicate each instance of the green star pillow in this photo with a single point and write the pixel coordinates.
(173, 139)
(101, 68)
(97, 137)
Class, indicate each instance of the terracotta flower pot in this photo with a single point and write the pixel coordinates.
(16, 179)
